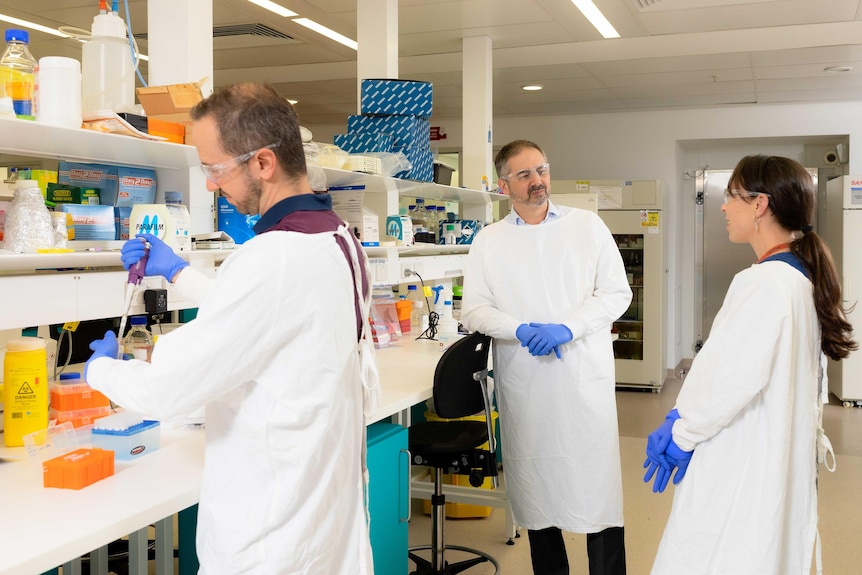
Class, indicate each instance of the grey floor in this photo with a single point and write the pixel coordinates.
(645, 512)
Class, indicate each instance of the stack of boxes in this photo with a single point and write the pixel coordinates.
(119, 188)
(394, 119)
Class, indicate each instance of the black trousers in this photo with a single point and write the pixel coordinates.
(606, 551)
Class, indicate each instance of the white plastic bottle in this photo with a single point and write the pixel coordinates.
(138, 343)
(107, 72)
(18, 70)
(59, 92)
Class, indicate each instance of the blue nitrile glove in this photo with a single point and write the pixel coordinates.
(525, 334)
(680, 458)
(162, 260)
(656, 462)
(106, 347)
(549, 338)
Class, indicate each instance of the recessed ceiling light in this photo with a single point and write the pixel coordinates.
(329, 33)
(532, 87)
(837, 69)
(32, 26)
(292, 102)
(596, 18)
(273, 7)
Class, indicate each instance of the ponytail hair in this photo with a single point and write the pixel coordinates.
(792, 199)
(835, 330)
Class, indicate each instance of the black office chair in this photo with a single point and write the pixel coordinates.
(460, 390)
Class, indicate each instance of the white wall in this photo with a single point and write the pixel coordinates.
(662, 145)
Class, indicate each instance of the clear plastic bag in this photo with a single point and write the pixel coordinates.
(391, 163)
(329, 155)
(28, 221)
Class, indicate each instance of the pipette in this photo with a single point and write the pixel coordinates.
(136, 274)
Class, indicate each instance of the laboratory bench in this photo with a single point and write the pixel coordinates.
(43, 528)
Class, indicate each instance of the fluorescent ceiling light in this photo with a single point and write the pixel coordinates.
(32, 26)
(273, 7)
(293, 102)
(596, 18)
(532, 87)
(331, 34)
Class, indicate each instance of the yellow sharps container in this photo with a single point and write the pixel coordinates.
(25, 389)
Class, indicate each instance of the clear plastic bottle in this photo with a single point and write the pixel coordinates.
(421, 213)
(107, 72)
(138, 343)
(18, 70)
(418, 311)
(441, 217)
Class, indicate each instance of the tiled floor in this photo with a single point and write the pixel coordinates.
(645, 512)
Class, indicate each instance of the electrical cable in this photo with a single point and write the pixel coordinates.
(433, 317)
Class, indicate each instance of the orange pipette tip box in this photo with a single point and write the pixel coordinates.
(78, 469)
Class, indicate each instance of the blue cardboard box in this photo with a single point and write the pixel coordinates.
(396, 97)
(118, 185)
(422, 162)
(405, 130)
(364, 142)
(236, 225)
(465, 231)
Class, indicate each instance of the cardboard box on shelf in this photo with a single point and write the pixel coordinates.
(118, 185)
(171, 103)
(396, 97)
(174, 131)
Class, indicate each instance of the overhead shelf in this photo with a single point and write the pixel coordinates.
(427, 190)
(33, 139)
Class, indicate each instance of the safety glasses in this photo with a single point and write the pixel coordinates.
(217, 172)
(730, 193)
(524, 175)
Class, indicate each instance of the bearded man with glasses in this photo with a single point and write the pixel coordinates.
(546, 283)
(284, 386)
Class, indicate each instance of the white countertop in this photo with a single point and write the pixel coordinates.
(43, 528)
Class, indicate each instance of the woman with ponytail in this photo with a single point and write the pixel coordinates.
(746, 432)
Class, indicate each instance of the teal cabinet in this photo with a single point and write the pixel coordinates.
(388, 497)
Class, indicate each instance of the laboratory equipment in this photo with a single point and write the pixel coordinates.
(839, 222)
(77, 469)
(73, 401)
(136, 275)
(632, 210)
(17, 73)
(107, 72)
(403, 308)
(418, 310)
(25, 389)
(59, 94)
(127, 434)
(138, 343)
(457, 294)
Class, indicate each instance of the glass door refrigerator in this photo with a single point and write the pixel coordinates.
(839, 222)
(632, 211)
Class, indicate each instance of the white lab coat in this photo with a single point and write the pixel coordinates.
(558, 418)
(750, 409)
(272, 354)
